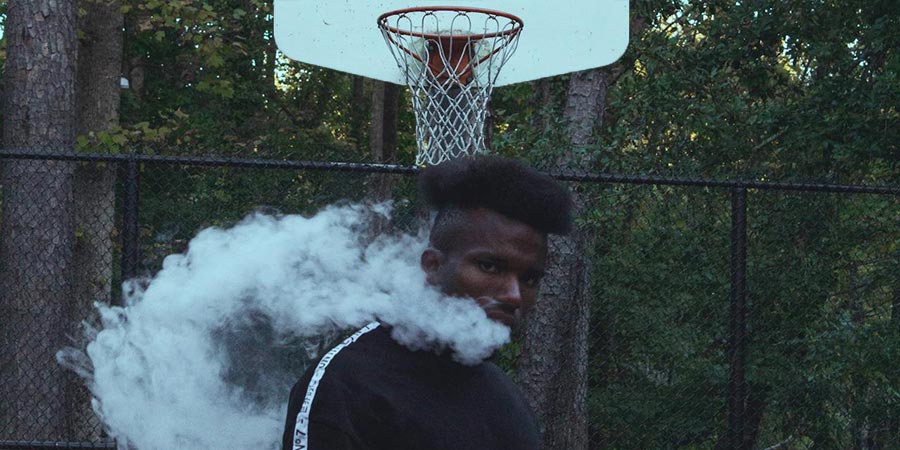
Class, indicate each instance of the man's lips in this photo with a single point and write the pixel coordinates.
(499, 311)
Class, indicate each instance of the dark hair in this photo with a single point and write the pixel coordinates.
(503, 185)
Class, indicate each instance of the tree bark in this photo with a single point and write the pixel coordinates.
(489, 126)
(37, 233)
(383, 134)
(382, 147)
(891, 436)
(552, 368)
(389, 123)
(376, 124)
(271, 47)
(540, 101)
(755, 411)
(357, 111)
(97, 106)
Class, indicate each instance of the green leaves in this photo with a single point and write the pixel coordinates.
(764, 90)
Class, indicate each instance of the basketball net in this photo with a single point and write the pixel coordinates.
(450, 59)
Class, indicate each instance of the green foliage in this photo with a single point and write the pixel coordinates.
(207, 79)
(767, 90)
(659, 318)
(762, 90)
(216, 63)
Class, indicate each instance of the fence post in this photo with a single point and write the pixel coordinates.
(130, 232)
(738, 329)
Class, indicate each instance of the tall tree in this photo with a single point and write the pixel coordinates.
(383, 132)
(36, 237)
(357, 122)
(97, 106)
(553, 365)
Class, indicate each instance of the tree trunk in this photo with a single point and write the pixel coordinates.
(859, 424)
(357, 111)
(383, 134)
(552, 368)
(97, 106)
(382, 147)
(891, 436)
(37, 233)
(271, 47)
(585, 106)
(389, 123)
(376, 125)
(489, 126)
(540, 101)
(755, 411)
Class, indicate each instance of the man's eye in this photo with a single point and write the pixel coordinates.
(488, 266)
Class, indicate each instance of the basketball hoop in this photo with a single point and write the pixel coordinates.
(450, 57)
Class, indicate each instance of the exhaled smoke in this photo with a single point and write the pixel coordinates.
(204, 355)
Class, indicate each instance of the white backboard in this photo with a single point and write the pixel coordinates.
(558, 36)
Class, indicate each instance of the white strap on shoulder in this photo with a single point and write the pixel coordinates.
(301, 428)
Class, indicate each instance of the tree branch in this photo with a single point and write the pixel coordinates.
(769, 139)
(780, 444)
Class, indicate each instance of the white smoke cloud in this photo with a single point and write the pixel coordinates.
(203, 357)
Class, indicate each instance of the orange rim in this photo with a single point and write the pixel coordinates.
(382, 21)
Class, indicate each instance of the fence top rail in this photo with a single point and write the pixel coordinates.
(333, 166)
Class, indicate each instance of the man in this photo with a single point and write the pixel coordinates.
(488, 243)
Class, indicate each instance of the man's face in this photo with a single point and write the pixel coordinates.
(496, 260)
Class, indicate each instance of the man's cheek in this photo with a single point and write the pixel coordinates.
(467, 280)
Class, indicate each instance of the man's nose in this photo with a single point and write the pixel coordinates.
(511, 293)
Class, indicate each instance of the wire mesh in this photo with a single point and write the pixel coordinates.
(178, 201)
(450, 58)
(822, 314)
(823, 320)
(659, 318)
(61, 256)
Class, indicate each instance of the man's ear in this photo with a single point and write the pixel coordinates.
(431, 261)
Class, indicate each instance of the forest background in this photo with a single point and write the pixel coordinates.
(786, 91)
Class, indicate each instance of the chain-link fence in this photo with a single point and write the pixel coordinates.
(724, 314)
(687, 353)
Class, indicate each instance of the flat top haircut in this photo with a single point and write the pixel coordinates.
(503, 185)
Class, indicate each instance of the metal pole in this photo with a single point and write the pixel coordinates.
(368, 168)
(738, 329)
(131, 204)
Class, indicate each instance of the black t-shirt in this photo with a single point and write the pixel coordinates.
(371, 393)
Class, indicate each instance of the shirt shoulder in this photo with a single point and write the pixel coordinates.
(331, 395)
